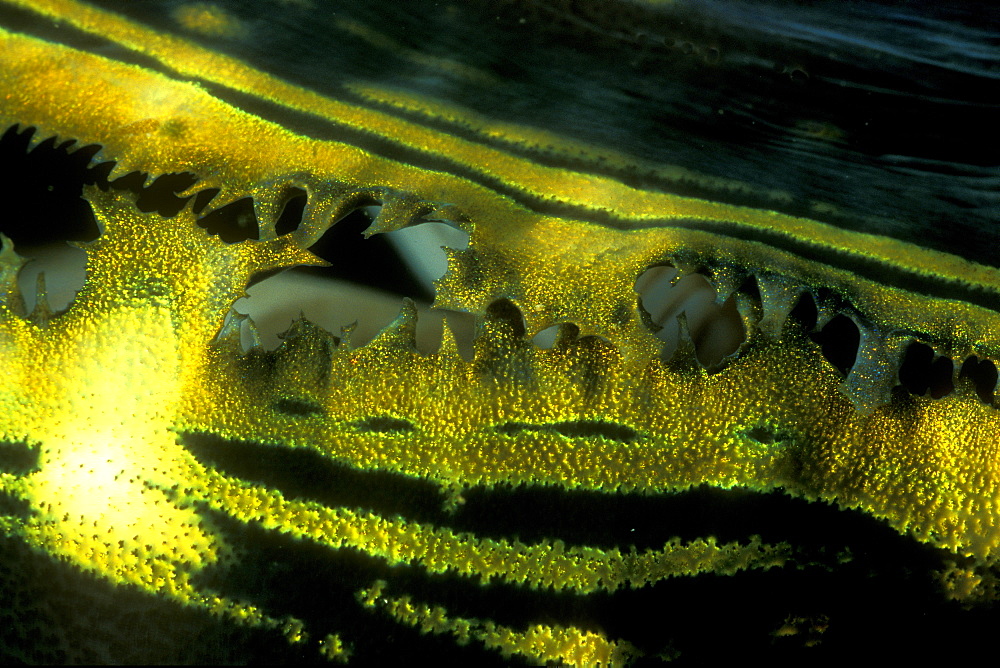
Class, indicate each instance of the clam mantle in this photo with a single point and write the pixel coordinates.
(130, 420)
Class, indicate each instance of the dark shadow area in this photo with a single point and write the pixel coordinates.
(579, 517)
(384, 424)
(846, 568)
(805, 312)
(52, 613)
(372, 261)
(942, 376)
(42, 188)
(872, 585)
(305, 474)
(18, 458)
(506, 318)
(203, 199)
(13, 507)
(297, 407)
(161, 194)
(922, 372)
(291, 213)
(575, 429)
(534, 513)
(287, 576)
(232, 223)
(839, 340)
(767, 434)
(983, 374)
(751, 288)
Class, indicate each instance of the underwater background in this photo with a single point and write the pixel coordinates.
(873, 117)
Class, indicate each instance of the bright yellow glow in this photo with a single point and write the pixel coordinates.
(112, 441)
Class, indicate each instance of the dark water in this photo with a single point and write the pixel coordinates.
(884, 110)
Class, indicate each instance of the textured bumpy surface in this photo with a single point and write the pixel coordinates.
(157, 476)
